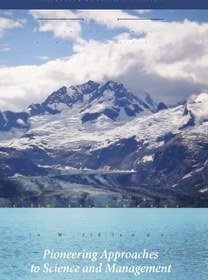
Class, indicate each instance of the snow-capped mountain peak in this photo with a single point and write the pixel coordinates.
(90, 102)
(93, 100)
(105, 127)
(85, 88)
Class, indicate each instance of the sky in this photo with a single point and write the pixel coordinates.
(41, 51)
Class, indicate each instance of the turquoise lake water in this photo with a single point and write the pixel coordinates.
(178, 235)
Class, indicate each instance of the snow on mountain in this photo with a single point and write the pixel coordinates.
(91, 104)
(10, 120)
(98, 128)
(96, 115)
(93, 100)
(67, 131)
(91, 117)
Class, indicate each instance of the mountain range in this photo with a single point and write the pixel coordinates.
(101, 144)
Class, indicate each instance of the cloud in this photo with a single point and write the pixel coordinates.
(167, 59)
(6, 24)
(42, 57)
(60, 28)
(141, 12)
(20, 86)
(169, 47)
(5, 49)
(108, 18)
(199, 107)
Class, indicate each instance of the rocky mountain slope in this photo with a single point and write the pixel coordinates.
(94, 141)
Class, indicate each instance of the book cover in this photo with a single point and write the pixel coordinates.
(103, 140)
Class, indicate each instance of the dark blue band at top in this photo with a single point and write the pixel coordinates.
(103, 4)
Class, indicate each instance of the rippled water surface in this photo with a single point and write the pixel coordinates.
(179, 235)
